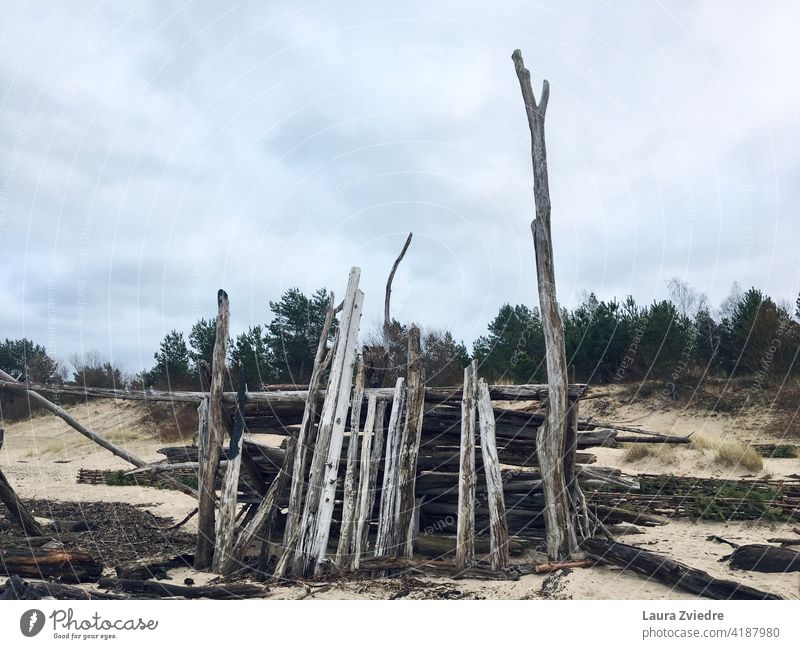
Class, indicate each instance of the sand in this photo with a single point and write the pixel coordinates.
(42, 456)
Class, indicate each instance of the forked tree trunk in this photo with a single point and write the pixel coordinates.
(551, 437)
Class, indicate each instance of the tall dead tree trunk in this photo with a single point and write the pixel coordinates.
(204, 548)
(551, 437)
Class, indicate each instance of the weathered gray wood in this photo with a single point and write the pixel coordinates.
(9, 382)
(409, 444)
(346, 530)
(498, 528)
(204, 548)
(324, 517)
(315, 522)
(562, 541)
(226, 521)
(305, 439)
(387, 539)
(371, 452)
(293, 400)
(293, 467)
(202, 430)
(465, 527)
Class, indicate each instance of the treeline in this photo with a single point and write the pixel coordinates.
(671, 341)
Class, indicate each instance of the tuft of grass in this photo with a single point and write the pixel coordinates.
(736, 454)
(702, 442)
(636, 451)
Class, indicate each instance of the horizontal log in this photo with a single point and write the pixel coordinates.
(16, 588)
(670, 572)
(765, 558)
(529, 392)
(40, 563)
(153, 567)
(161, 589)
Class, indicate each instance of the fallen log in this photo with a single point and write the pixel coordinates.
(39, 563)
(670, 572)
(16, 588)
(396, 566)
(765, 558)
(543, 568)
(160, 589)
(442, 545)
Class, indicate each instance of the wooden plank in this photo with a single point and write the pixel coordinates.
(226, 522)
(387, 539)
(319, 546)
(305, 440)
(371, 453)
(465, 527)
(204, 547)
(343, 556)
(498, 528)
(292, 468)
(309, 537)
(562, 540)
(409, 445)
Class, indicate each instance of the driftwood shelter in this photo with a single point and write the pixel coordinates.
(375, 479)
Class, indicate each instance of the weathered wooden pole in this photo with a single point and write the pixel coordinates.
(346, 529)
(409, 444)
(315, 522)
(465, 524)
(551, 436)
(371, 451)
(387, 539)
(296, 463)
(209, 462)
(498, 528)
(226, 522)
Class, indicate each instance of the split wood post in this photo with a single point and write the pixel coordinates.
(202, 430)
(371, 451)
(16, 508)
(498, 528)
(343, 557)
(324, 518)
(204, 547)
(409, 445)
(465, 525)
(387, 540)
(558, 514)
(305, 436)
(292, 468)
(335, 405)
(226, 523)
(11, 382)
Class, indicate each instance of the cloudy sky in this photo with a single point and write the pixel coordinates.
(153, 152)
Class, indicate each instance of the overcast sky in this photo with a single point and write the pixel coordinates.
(153, 152)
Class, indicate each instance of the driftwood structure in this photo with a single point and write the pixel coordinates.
(376, 479)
